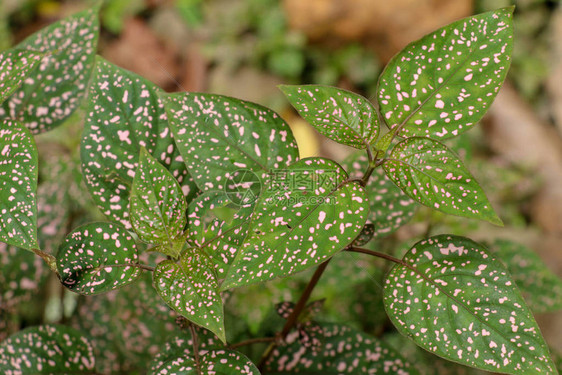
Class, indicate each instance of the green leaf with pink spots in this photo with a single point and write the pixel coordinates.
(452, 298)
(342, 350)
(442, 84)
(22, 273)
(182, 347)
(98, 257)
(157, 206)
(219, 136)
(541, 287)
(15, 66)
(340, 115)
(53, 91)
(305, 214)
(18, 186)
(124, 115)
(390, 207)
(190, 288)
(47, 349)
(220, 239)
(212, 362)
(431, 174)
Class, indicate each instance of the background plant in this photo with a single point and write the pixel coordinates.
(146, 154)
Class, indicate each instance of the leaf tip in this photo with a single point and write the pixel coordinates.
(509, 10)
(226, 285)
(221, 334)
(284, 88)
(494, 219)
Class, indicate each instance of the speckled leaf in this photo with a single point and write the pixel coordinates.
(18, 186)
(128, 326)
(124, 114)
(307, 213)
(53, 91)
(215, 362)
(46, 349)
(179, 347)
(427, 363)
(218, 136)
(342, 350)
(97, 257)
(541, 288)
(390, 207)
(219, 239)
(201, 217)
(22, 273)
(338, 114)
(190, 288)
(15, 66)
(442, 84)
(157, 206)
(94, 318)
(452, 298)
(430, 173)
(366, 235)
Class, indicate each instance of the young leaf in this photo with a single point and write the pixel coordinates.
(338, 114)
(190, 287)
(212, 363)
(97, 257)
(124, 114)
(15, 66)
(390, 207)
(18, 186)
(430, 173)
(219, 239)
(157, 206)
(47, 349)
(442, 84)
(219, 136)
(307, 213)
(343, 350)
(201, 216)
(51, 93)
(452, 298)
(541, 288)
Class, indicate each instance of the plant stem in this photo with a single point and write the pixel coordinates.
(372, 165)
(49, 259)
(375, 254)
(252, 341)
(195, 343)
(292, 319)
(144, 267)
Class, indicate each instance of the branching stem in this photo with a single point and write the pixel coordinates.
(257, 340)
(292, 319)
(375, 254)
(372, 165)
